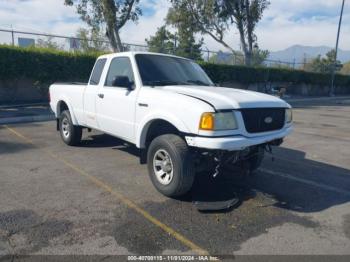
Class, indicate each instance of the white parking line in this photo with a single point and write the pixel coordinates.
(305, 181)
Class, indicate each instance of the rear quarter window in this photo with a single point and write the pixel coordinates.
(97, 71)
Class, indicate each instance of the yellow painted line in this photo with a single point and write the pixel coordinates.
(129, 203)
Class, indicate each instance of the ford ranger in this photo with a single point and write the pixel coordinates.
(170, 109)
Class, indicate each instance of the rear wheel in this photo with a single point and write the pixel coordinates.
(170, 165)
(70, 134)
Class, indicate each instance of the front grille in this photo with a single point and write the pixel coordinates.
(258, 120)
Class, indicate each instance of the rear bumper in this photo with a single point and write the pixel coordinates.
(234, 143)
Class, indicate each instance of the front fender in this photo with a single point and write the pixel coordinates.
(142, 127)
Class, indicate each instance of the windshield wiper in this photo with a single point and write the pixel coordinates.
(163, 83)
(198, 82)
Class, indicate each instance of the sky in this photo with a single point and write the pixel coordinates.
(285, 22)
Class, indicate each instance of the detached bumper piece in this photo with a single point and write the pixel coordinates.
(216, 205)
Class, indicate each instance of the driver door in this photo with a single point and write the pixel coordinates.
(115, 105)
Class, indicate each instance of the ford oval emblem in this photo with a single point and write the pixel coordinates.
(268, 120)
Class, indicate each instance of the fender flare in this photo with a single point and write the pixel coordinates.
(70, 108)
(145, 123)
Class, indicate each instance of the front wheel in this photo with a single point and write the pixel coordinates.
(170, 165)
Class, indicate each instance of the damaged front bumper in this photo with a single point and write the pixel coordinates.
(234, 143)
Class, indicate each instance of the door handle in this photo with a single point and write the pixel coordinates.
(101, 95)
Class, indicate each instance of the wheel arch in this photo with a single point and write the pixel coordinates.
(166, 124)
(62, 105)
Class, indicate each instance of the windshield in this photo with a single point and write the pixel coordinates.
(159, 70)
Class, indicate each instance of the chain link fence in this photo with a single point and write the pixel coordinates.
(71, 43)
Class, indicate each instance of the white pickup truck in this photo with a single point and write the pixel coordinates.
(169, 108)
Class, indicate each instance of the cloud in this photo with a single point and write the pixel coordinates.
(53, 17)
(303, 22)
(290, 22)
(147, 25)
(285, 23)
(50, 16)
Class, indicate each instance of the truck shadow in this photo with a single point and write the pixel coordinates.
(104, 141)
(290, 182)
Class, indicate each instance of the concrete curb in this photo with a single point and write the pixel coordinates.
(23, 105)
(26, 119)
(326, 98)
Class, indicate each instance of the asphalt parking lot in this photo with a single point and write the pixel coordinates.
(98, 199)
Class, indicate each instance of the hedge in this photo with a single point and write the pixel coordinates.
(248, 75)
(46, 66)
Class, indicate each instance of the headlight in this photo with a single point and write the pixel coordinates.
(218, 121)
(289, 115)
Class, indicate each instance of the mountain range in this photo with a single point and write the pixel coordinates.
(299, 53)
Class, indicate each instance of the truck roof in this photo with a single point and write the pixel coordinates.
(133, 53)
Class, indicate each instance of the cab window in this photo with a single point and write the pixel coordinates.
(97, 72)
(120, 67)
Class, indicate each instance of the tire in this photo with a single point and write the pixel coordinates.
(173, 152)
(70, 134)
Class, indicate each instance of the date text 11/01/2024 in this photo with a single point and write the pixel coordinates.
(173, 258)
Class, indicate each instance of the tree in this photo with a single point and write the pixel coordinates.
(258, 59)
(48, 43)
(182, 43)
(323, 64)
(346, 69)
(91, 41)
(214, 17)
(315, 65)
(204, 17)
(111, 14)
(259, 56)
(227, 58)
(187, 44)
(162, 42)
(245, 14)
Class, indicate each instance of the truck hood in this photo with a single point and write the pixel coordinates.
(228, 98)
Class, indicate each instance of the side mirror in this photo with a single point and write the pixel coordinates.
(123, 81)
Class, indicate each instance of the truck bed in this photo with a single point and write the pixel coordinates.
(71, 83)
(72, 94)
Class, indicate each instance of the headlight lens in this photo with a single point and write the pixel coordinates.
(289, 115)
(218, 121)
